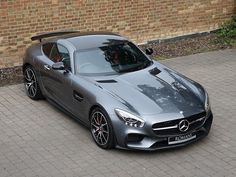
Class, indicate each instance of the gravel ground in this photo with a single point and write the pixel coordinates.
(9, 76)
(187, 46)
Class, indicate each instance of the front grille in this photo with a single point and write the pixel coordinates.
(171, 128)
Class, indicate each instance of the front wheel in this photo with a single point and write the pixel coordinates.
(101, 129)
(31, 84)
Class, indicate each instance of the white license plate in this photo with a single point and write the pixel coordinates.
(181, 139)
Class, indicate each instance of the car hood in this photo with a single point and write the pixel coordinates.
(153, 91)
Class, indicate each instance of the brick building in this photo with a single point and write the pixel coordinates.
(140, 20)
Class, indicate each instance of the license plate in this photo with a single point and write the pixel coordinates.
(181, 139)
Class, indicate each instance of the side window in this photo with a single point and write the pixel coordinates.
(57, 53)
(47, 49)
(51, 51)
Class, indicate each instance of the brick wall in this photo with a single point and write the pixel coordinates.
(140, 20)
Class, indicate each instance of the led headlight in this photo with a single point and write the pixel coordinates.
(207, 102)
(129, 119)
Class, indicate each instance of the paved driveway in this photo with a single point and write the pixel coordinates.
(37, 139)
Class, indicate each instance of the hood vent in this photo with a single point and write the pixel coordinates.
(154, 71)
(107, 81)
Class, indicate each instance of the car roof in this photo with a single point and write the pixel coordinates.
(86, 40)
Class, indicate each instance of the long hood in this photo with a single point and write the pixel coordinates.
(153, 91)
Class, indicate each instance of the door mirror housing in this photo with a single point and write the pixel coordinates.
(149, 51)
(58, 66)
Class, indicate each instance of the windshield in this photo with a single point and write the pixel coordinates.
(111, 59)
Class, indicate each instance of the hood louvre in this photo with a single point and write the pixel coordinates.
(106, 81)
(154, 71)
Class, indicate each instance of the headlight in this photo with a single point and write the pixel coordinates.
(207, 102)
(129, 119)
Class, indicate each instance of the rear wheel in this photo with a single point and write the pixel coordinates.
(101, 129)
(31, 84)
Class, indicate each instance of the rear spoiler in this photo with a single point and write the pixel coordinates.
(51, 34)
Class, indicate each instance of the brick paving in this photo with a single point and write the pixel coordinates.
(38, 140)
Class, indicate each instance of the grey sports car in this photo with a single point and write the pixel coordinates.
(125, 98)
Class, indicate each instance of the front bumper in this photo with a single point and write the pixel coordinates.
(145, 138)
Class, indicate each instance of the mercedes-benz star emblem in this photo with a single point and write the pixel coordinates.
(183, 125)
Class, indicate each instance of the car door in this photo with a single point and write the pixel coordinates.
(60, 84)
(55, 82)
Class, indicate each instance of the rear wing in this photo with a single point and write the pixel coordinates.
(51, 34)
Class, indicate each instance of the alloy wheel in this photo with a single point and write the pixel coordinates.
(100, 128)
(30, 82)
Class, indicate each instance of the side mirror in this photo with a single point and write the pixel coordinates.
(58, 66)
(149, 51)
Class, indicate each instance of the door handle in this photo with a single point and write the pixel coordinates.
(47, 67)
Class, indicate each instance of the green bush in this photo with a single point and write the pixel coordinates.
(227, 33)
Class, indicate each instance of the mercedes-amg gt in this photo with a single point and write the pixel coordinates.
(127, 99)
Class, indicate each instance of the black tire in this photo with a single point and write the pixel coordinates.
(31, 83)
(101, 129)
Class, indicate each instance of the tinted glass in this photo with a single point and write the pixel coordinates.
(47, 49)
(111, 59)
(64, 56)
(55, 55)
